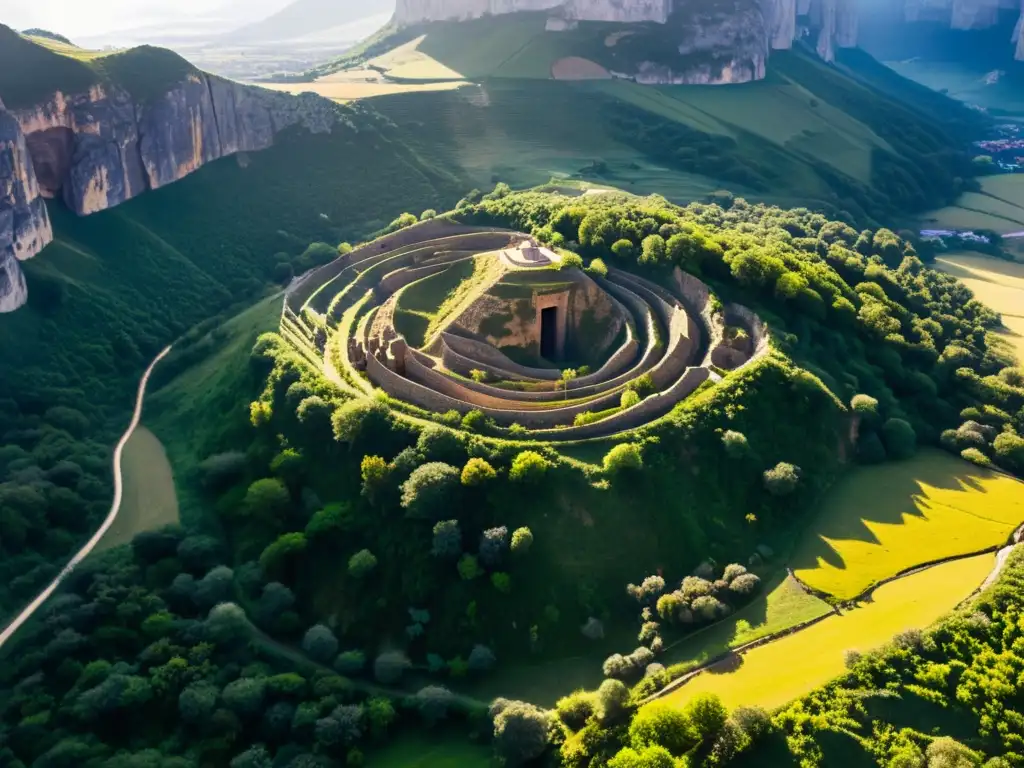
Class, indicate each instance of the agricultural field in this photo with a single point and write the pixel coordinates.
(930, 507)
(775, 673)
(998, 207)
(353, 89)
(149, 499)
(997, 283)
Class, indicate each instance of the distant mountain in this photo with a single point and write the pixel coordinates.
(36, 32)
(305, 17)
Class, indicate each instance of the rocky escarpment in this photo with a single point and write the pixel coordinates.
(24, 223)
(970, 14)
(626, 11)
(102, 146)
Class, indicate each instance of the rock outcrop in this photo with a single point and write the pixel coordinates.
(625, 11)
(1018, 34)
(101, 147)
(24, 222)
(969, 14)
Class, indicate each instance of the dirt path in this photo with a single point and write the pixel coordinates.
(115, 506)
(1001, 557)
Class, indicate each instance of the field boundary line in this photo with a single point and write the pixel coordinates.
(115, 507)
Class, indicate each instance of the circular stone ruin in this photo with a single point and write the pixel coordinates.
(446, 317)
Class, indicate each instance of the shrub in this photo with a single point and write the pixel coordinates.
(612, 702)
(1009, 450)
(477, 472)
(428, 214)
(350, 662)
(732, 571)
(745, 585)
(709, 608)
(782, 479)
(357, 418)
(430, 490)
(267, 500)
(625, 456)
(493, 543)
(865, 406)
(661, 725)
(753, 721)
(599, 268)
(361, 563)
(474, 421)
(520, 731)
(528, 467)
(623, 249)
(437, 443)
(653, 251)
(736, 445)
(575, 709)
(975, 456)
(899, 438)
(649, 757)
(481, 659)
(570, 261)
(502, 582)
(433, 703)
(629, 398)
(447, 539)
(468, 568)
(522, 540)
(320, 643)
(389, 667)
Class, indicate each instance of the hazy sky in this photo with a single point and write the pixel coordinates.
(78, 18)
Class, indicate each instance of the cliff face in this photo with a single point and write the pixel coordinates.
(969, 14)
(414, 11)
(24, 222)
(101, 147)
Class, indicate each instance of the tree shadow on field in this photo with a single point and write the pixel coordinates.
(909, 710)
(726, 666)
(883, 494)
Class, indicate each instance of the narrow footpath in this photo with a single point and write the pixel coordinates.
(115, 506)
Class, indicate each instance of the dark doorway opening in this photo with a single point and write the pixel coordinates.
(549, 333)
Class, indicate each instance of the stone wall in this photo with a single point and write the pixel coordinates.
(478, 351)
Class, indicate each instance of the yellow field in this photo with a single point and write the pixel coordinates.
(997, 283)
(878, 521)
(409, 61)
(352, 90)
(149, 499)
(999, 207)
(778, 672)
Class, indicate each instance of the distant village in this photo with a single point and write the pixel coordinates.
(1007, 150)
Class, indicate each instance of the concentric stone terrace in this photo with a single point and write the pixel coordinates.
(447, 317)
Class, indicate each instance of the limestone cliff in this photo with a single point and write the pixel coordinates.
(1018, 33)
(414, 11)
(24, 222)
(969, 14)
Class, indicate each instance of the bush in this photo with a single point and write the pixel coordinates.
(447, 539)
(732, 571)
(520, 731)
(320, 643)
(570, 261)
(474, 421)
(437, 443)
(468, 568)
(493, 543)
(575, 709)
(433, 703)
(612, 701)
(736, 445)
(361, 563)
(1009, 451)
(623, 249)
(389, 667)
(625, 456)
(350, 662)
(706, 715)
(782, 479)
(522, 540)
(502, 582)
(629, 398)
(244, 697)
(661, 725)
(745, 585)
(649, 757)
(481, 659)
(865, 406)
(599, 268)
(899, 438)
(528, 467)
(975, 456)
(477, 472)
(430, 490)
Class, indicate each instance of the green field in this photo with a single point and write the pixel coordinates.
(998, 207)
(419, 303)
(775, 673)
(881, 520)
(198, 411)
(149, 499)
(421, 750)
(997, 283)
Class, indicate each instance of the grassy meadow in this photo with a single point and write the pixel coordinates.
(997, 283)
(419, 303)
(775, 673)
(149, 500)
(878, 521)
(998, 207)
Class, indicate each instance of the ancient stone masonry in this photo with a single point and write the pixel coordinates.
(24, 223)
(669, 336)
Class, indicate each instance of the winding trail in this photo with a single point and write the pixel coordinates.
(115, 506)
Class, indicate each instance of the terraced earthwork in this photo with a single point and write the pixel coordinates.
(447, 318)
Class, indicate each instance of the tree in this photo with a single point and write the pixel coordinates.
(267, 500)
(528, 467)
(197, 702)
(599, 269)
(374, 472)
(649, 757)
(865, 406)
(254, 757)
(447, 539)
(736, 445)
(428, 214)
(481, 659)
(660, 725)
(623, 457)
(568, 375)
(199, 553)
(782, 479)
(1009, 450)
(389, 667)
(653, 251)
(226, 623)
(341, 728)
(612, 701)
(276, 558)
(437, 443)
(320, 643)
(502, 582)
(214, 587)
(430, 490)
(706, 715)
(433, 702)
(350, 662)
(899, 438)
(522, 540)
(945, 752)
(745, 585)
(575, 709)
(468, 568)
(380, 713)
(245, 697)
(477, 472)
(520, 731)
(361, 563)
(493, 543)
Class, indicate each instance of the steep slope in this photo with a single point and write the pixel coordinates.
(97, 130)
(303, 17)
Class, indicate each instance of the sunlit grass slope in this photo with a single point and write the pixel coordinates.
(775, 673)
(878, 521)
